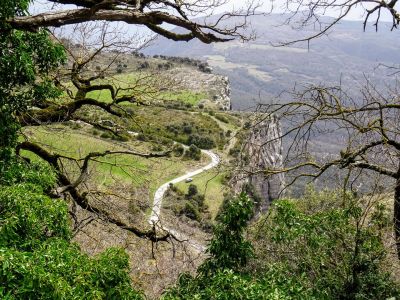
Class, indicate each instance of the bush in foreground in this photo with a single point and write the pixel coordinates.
(328, 248)
(37, 258)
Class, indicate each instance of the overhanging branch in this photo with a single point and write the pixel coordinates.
(81, 198)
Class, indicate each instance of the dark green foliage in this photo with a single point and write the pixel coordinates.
(187, 129)
(312, 249)
(203, 142)
(229, 285)
(39, 177)
(122, 137)
(172, 187)
(142, 137)
(37, 259)
(247, 125)
(25, 61)
(192, 190)
(229, 252)
(193, 152)
(228, 247)
(193, 203)
(58, 270)
(29, 218)
(198, 199)
(8, 134)
(178, 150)
(327, 246)
(191, 211)
(235, 151)
(190, 205)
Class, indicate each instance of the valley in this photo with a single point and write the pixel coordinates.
(227, 156)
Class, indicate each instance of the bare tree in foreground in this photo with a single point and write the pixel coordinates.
(369, 130)
(151, 14)
(82, 75)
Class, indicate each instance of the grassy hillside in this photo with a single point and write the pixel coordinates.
(211, 185)
(124, 185)
(115, 171)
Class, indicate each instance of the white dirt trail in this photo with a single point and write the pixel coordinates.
(159, 195)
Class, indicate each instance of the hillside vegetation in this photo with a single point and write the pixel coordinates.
(126, 176)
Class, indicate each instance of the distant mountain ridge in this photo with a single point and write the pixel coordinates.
(259, 71)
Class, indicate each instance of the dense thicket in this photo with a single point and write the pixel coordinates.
(328, 248)
(26, 59)
(37, 258)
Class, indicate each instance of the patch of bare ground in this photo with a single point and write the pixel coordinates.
(153, 267)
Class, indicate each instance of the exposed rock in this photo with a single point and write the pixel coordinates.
(217, 87)
(262, 150)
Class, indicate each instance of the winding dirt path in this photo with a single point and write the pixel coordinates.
(154, 219)
(159, 194)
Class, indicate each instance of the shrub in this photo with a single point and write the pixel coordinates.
(228, 251)
(222, 118)
(199, 200)
(187, 129)
(142, 137)
(235, 151)
(157, 148)
(228, 248)
(322, 243)
(173, 188)
(106, 135)
(191, 211)
(192, 190)
(120, 137)
(203, 142)
(193, 152)
(247, 125)
(75, 125)
(311, 249)
(37, 258)
(178, 150)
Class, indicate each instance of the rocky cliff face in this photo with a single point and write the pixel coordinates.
(261, 150)
(222, 92)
